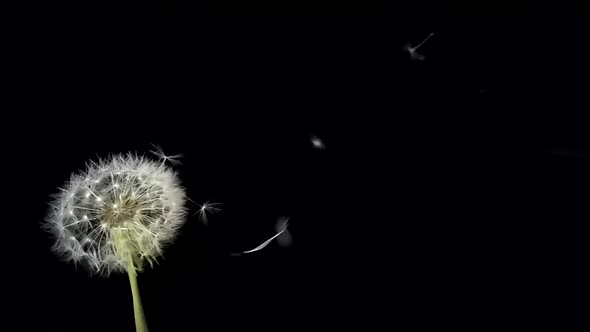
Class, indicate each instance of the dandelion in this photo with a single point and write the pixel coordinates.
(117, 216)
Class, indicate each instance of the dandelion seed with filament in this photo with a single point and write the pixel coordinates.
(173, 159)
(413, 50)
(281, 226)
(207, 208)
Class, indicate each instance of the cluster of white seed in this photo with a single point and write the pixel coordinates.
(117, 214)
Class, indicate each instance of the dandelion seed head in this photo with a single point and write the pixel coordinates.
(139, 206)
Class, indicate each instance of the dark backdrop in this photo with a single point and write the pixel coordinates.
(438, 201)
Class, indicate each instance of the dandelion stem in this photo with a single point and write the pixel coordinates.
(140, 323)
(126, 249)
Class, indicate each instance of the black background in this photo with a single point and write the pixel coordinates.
(451, 193)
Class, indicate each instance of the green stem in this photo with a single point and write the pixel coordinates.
(126, 249)
(140, 323)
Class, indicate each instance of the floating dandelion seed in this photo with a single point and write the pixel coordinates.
(284, 239)
(281, 227)
(207, 208)
(97, 221)
(171, 159)
(413, 50)
(317, 143)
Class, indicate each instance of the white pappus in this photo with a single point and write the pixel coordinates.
(118, 214)
(207, 207)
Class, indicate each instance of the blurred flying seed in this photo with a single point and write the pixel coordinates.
(317, 143)
(281, 225)
(284, 239)
(413, 50)
(569, 153)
